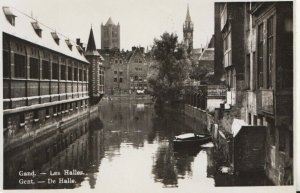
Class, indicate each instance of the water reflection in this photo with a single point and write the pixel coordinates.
(124, 146)
(164, 168)
(79, 147)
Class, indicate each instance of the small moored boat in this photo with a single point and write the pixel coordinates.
(191, 140)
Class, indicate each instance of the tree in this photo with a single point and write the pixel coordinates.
(169, 69)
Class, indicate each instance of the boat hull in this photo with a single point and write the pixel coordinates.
(189, 143)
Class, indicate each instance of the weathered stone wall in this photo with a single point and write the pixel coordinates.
(249, 149)
(203, 119)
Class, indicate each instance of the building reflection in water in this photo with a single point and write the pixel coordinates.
(80, 147)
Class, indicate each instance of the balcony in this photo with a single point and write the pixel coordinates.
(265, 101)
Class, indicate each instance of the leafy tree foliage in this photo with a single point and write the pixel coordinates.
(169, 70)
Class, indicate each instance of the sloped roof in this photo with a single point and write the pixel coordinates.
(134, 53)
(109, 22)
(207, 54)
(197, 50)
(91, 46)
(237, 126)
(23, 29)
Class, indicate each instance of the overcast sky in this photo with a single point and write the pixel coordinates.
(141, 20)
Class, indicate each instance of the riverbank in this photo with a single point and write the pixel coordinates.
(126, 97)
(229, 150)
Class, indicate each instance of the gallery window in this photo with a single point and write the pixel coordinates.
(20, 66)
(34, 68)
(270, 50)
(63, 72)
(80, 74)
(45, 69)
(55, 71)
(70, 73)
(6, 64)
(260, 55)
(75, 74)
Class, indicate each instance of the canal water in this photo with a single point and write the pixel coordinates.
(123, 147)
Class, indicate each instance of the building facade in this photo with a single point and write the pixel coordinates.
(45, 80)
(137, 70)
(110, 35)
(116, 68)
(125, 72)
(269, 81)
(257, 55)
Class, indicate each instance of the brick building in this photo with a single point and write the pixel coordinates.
(269, 81)
(125, 72)
(257, 55)
(45, 79)
(96, 75)
(137, 70)
(116, 68)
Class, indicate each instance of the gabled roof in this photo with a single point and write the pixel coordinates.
(24, 29)
(134, 53)
(207, 54)
(109, 22)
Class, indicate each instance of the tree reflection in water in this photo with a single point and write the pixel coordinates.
(164, 169)
(170, 165)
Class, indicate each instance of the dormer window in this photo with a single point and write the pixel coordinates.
(9, 15)
(37, 28)
(55, 37)
(68, 42)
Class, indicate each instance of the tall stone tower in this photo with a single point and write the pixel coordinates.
(96, 71)
(188, 29)
(110, 35)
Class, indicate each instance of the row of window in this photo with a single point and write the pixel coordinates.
(120, 72)
(137, 78)
(119, 61)
(20, 69)
(138, 69)
(138, 60)
(120, 79)
(267, 72)
(57, 110)
(138, 85)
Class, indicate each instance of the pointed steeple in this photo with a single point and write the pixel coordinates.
(188, 17)
(91, 46)
(91, 49)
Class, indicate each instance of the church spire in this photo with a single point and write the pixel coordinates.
(91, 46)
(188, 17)
(188, 28)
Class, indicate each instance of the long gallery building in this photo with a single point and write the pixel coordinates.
(46, 79)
